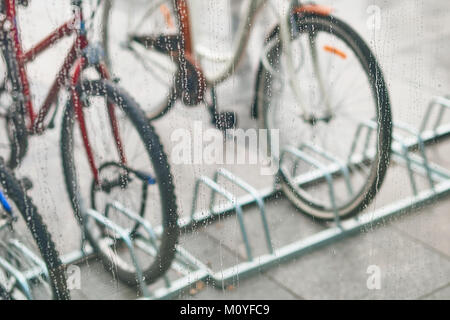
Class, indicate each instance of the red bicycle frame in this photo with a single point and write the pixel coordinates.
(75, 61)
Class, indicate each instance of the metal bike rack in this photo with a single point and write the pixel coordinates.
(22, 278)
(403, 152)
(407, 150)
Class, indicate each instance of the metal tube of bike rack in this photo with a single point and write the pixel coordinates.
(202, 273)
(326, 155)
(214, 186)
(135, 217)
(191, 259)
(441, 101)
(440, 174)
(303, 156)
(259, 201)
(19, 276)
(370, 125)
(36, 268)
(420, 144)
(123, 234)
(42, 268)
(144, 223)
(405, 155)
(181, 284)
(445, 103)
(177, 264)
(201, 217)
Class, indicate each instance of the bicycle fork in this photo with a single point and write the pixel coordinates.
(80, 65)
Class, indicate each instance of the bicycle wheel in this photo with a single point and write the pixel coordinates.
(125, 27)
(26, 247)
(349, 132)
(143, 184)
(13, 132)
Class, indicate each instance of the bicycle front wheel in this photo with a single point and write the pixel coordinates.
(133, 180)
(333, 158)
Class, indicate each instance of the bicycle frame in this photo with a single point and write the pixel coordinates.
(192, 49)
(243, 33)
(69, 73)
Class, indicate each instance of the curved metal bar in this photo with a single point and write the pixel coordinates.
(303, 156)
(144, 223)
(19, 276)
(443, 102)
(254, 193)
(326, 155)
(124, 235)
(421, 146)
(217, 188)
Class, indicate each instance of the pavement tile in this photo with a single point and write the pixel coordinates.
(339, 271)
(430, 226)
(442, 294)
(257, 287)
(98, 284)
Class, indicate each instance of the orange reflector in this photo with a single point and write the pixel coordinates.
(166, 13)
(314, 8)
(335, 51)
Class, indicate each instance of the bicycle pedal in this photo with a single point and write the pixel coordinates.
(225, 120)
(26, 183)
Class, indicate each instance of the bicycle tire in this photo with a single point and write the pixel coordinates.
(17, 138)
(158, 159)
(4, 295)
(16, 130)
(38, 229)
(366, 58)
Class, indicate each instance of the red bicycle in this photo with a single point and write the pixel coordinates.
(110, 153)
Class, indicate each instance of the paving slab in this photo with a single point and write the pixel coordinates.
(259, 287)
(441, 294)
(339, 271)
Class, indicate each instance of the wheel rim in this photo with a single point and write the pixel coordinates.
(335, 135)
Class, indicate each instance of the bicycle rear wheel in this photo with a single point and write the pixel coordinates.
(137, 63)
(347, 134)
(26, 247)
(133, 173)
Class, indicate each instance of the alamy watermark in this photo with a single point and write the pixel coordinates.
(73, 276)
(207, 146)
(374, 280)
